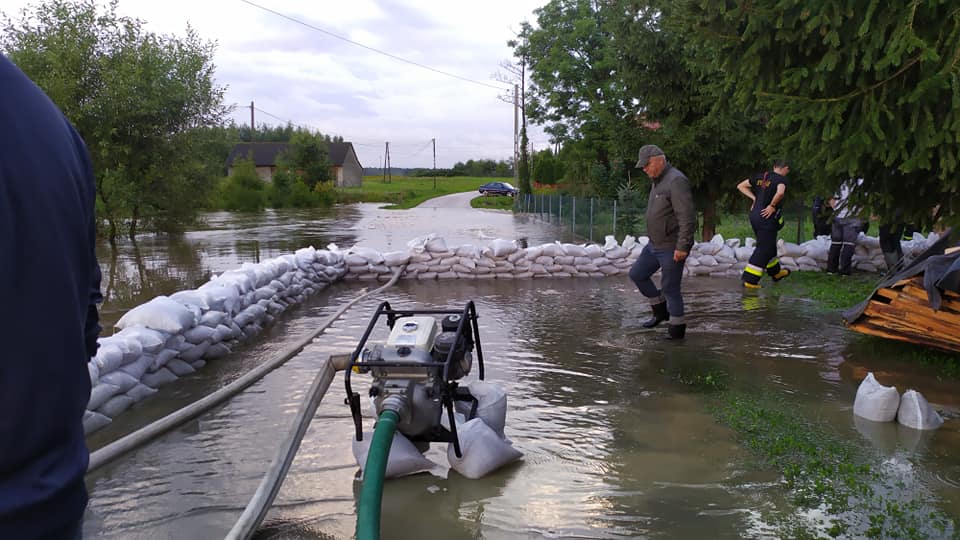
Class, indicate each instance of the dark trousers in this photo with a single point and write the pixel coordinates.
(843, 238)
(671, 272)
(764, 256)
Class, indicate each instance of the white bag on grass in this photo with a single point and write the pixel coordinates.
(875, 401)
(915, 412)
(404, 458)
(483, 450)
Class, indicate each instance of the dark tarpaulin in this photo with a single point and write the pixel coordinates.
(940, 272)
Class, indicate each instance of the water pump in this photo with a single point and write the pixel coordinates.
(415, 372)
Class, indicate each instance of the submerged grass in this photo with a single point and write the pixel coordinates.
(857, 493)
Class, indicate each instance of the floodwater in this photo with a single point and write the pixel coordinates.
(137, 271)
(614, 446)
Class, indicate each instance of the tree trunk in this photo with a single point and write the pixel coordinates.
(709, 228)
(135, 216)
(113, 233)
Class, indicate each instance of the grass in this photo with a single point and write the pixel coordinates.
(495, 202)
(407, 191)
(858, 493)
(830, 291)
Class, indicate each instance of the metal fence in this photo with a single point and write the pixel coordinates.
(592, 219)
(583, 218)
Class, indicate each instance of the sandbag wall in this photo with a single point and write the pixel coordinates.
(169, 337)
(431, 258)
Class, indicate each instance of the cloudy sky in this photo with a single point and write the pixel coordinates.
(281, 55)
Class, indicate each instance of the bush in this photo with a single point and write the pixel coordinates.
(243, 190)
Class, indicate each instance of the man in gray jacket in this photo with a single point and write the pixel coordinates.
(671, 220)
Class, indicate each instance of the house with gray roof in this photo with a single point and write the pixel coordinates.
(345, 166)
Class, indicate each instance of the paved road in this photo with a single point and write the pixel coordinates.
(456, 200)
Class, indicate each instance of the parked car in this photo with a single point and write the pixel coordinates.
(499, 188)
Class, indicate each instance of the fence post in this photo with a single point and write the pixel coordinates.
(560, 210)
(573, 228)
(614, 218)
(591, 219)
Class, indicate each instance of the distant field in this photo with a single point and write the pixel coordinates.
(408, 191)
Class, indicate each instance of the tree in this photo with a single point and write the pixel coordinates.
(308, 155)
(138, 100)
(857, 88)
(575, 90)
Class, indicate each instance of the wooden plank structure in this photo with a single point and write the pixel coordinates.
(902, 311)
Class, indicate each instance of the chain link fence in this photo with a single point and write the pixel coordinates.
(592, 219)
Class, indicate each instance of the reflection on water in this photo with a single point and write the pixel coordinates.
(162, 264)
(614, 447)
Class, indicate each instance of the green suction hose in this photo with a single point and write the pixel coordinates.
(371, 493)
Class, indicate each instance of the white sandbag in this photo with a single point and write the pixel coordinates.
(491, 405)
(137, 368)
(123, 381)
(199, 334)
(198, 364)
(150, 340)
(221, 296)
(875, 401)
(195, 352)
(502, 248)
(193, 297)
(115, 405)
(94, 373)
(396, 258)
(109, 357)
(593, 251)
(179, 368)
(212, 318)
(162, 314)
(616, 252)
(217, 350)
(140, 392)
(158, 378)
(92, 421)
(552, 250)
(610, 242)
(915, 412)
(574, 250)
(482, 449)
(100, 393)
(404, 458)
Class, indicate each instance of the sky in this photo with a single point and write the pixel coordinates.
(306, 76)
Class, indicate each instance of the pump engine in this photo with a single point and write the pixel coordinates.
(415, 372)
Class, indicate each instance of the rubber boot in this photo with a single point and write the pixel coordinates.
(891, 258)
(784, 272)
(676, 331)
(659, 315)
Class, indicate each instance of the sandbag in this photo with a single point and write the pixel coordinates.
(404, 458)
(491, 405)
(179, 368)
(92, 421)
(875, 401)
(115, 405)
(162, 314)
(483, 450)
(140, 391)
(915, 412)
(158, 378)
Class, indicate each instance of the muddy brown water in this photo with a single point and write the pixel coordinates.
(614, 447)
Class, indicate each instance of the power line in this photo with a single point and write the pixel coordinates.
(393, 56)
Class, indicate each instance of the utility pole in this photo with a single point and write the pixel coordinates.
(516, 134)
(434, 163)
(253, 129)
(386, 163)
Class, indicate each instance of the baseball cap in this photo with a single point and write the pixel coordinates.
(647, 152)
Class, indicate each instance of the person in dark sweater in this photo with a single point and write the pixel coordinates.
(50, 285)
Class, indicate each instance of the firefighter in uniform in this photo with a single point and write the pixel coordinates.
(766, 190)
